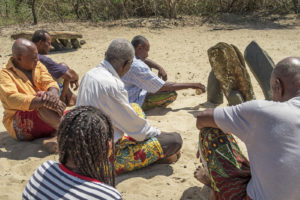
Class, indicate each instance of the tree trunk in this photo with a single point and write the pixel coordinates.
(6, 9)
(33, 12)
(296, 3)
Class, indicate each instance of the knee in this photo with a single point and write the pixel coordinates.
(171, 143)
(176, 142)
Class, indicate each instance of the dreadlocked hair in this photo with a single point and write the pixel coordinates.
(84, 135)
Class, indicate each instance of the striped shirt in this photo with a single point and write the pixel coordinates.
(54, 181)
(139, 80)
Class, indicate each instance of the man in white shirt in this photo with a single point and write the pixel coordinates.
(102, 87)
(271, 132)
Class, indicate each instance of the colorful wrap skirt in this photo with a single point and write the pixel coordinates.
(229, 170)
(161, 99)
(29, 126)
(132, 155)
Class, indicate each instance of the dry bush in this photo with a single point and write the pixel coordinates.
(97, 10)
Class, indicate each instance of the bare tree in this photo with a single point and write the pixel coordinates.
(33, 12)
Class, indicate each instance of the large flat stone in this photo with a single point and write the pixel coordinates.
(261, 65)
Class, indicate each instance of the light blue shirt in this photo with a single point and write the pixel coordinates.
(271, 132)
(139, 80)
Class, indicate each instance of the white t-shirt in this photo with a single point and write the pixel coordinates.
(271, 132)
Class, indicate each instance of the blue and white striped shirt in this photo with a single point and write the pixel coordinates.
(139, 80)
(54, 181)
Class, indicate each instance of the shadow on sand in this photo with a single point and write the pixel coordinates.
(196, 193)
(16, 150)
(192, 110)
(147, 172)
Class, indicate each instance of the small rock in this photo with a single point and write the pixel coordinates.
(184, 166)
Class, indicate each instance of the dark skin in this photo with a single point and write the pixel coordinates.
(70, 76)
(47, 103)
(284, 88)
(141, 52)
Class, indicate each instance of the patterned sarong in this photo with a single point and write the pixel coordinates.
(161, 99)
(29, 126)
(132, 155)
(229, 170)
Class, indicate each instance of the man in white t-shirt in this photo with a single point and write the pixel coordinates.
(271, 132)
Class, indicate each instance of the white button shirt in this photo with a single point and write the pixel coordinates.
(102, 88)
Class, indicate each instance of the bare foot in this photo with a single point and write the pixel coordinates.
(171, 159)
(50, 145)
(201, 174)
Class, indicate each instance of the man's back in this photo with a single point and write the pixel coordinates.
(271, 133)
(102, 88)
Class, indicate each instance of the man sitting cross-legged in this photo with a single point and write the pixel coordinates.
(102, 87)
(29, 95)
(64, 75)
(144, 87)
(270, 130)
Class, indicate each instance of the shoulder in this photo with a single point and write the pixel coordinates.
(44, 58)
(138, 64)
(100, 78)
(104, 190)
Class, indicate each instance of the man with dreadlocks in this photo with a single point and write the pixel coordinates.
(102, 87)
(85, 139)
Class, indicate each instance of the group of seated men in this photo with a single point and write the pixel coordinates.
(111, 100)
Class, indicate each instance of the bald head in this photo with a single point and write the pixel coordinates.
(288, 67)
(24, 54)
(285, 79)
(22, 46)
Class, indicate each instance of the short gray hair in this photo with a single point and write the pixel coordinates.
(119, 51)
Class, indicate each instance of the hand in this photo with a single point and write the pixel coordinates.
(60, 108)
(50, 100)
(162, 74)
(74, 80)
(74, 85)
(198, 86)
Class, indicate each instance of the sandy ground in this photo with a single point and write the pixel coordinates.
(182, 51)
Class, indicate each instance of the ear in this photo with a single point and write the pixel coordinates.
(279, 87)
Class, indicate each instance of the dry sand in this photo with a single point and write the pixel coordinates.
(182, 52)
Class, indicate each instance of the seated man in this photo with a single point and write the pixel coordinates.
(59, 71)
(270, 130)
(144, 87)
(29, 95)
(102, 87)
(83, 171)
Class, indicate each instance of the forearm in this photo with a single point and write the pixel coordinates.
(206, 119)
(170, 86)
(36, 103)
(53, 90)
(70, 75)
(152, 64)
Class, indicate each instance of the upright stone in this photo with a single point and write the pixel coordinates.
(229, 67)
(214, 91)
(261, 65)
